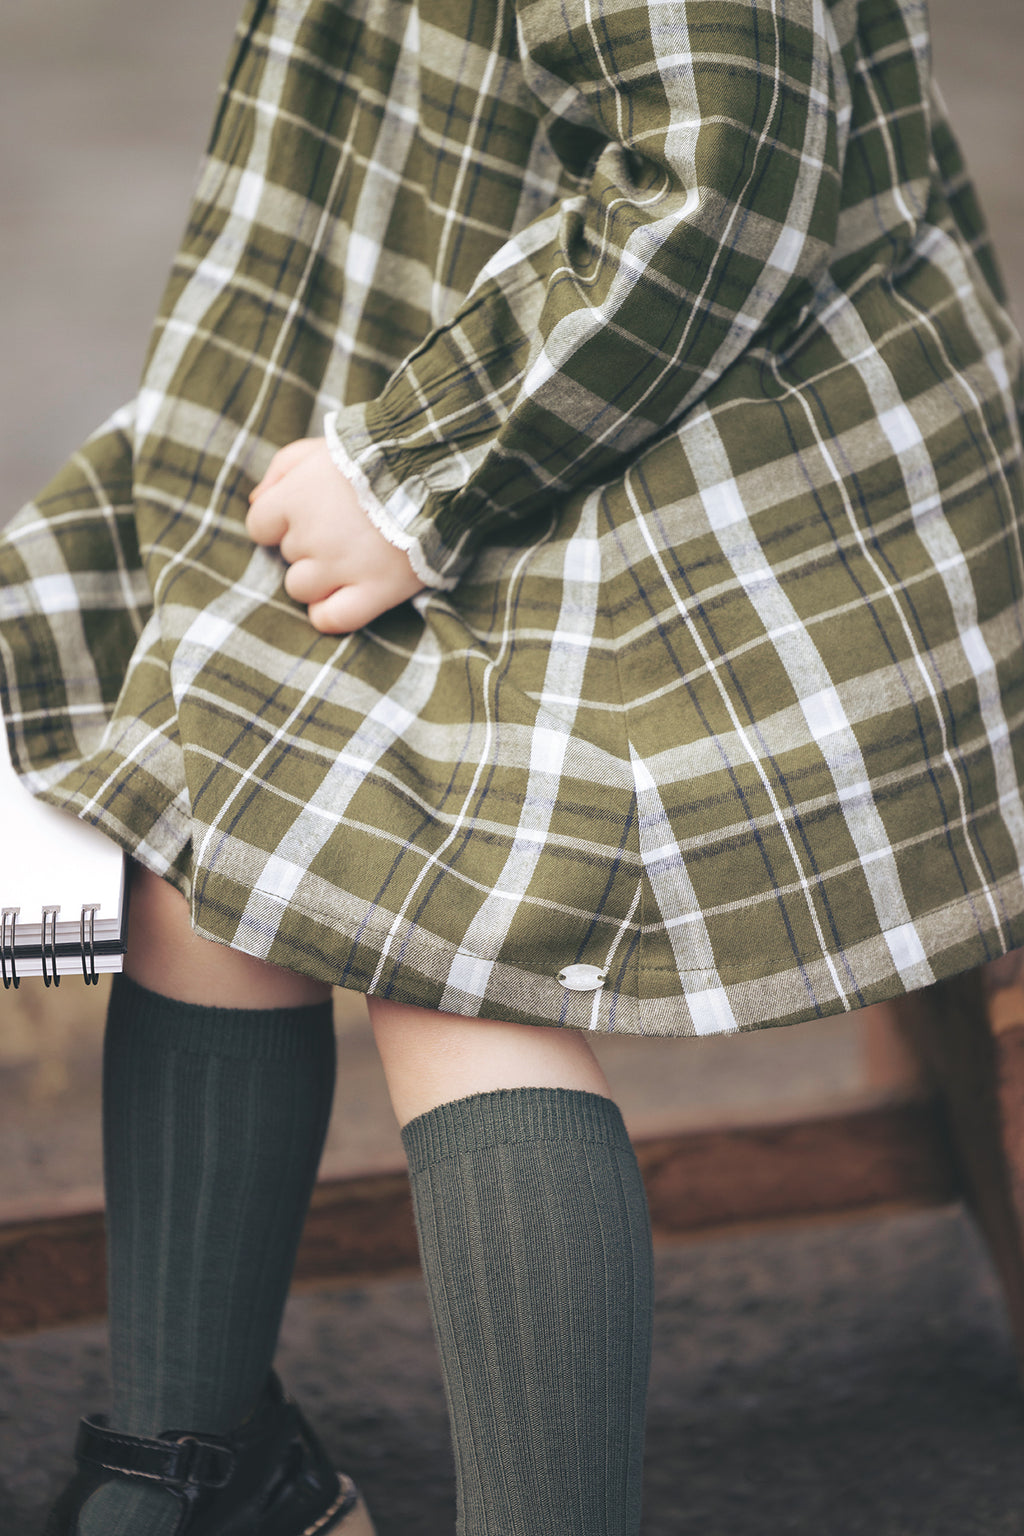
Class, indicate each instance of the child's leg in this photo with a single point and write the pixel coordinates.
(218, 1078)
(535, 1240)
(165, 956)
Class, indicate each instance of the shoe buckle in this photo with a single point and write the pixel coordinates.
(203, 1463)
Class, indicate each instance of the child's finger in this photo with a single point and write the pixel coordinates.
(265, 521)
(284, 459)
(307, 581)
(346, 609)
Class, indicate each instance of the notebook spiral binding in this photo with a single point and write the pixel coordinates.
(89, 947)
(9, 925)
(50, 938)
(8, 946)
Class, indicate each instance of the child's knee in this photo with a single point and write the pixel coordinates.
(431, 1058)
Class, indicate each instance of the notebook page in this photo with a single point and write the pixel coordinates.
(50, 858)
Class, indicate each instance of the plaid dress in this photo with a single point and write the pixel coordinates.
(667, 340)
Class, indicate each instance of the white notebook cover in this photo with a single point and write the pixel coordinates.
(49, 858)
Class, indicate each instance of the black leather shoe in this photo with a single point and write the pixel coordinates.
(269, 1478)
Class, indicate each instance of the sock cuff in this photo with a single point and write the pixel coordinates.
(265, 1034)
(512, 1115)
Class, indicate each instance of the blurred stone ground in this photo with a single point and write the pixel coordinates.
(838, 1380)
(832, 1381)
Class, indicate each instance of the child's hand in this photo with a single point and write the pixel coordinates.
(341, 567)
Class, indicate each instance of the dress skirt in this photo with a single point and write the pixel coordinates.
(669, 343)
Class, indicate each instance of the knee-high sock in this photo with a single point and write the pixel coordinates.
(214, 1121)
(535, 1238)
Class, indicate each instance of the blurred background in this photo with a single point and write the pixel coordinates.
(104, 110)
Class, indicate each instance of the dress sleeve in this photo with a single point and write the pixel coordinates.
(707, 139)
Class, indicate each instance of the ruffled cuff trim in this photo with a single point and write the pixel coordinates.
(376, 510)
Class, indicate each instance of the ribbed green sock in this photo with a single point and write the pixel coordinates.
(214, 1121)
(536, 1247)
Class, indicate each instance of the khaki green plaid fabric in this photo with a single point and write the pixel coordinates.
(667, 339)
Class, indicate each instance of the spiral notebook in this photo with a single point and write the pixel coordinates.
(63, 889)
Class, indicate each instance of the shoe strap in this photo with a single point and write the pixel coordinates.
(185, 1460)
